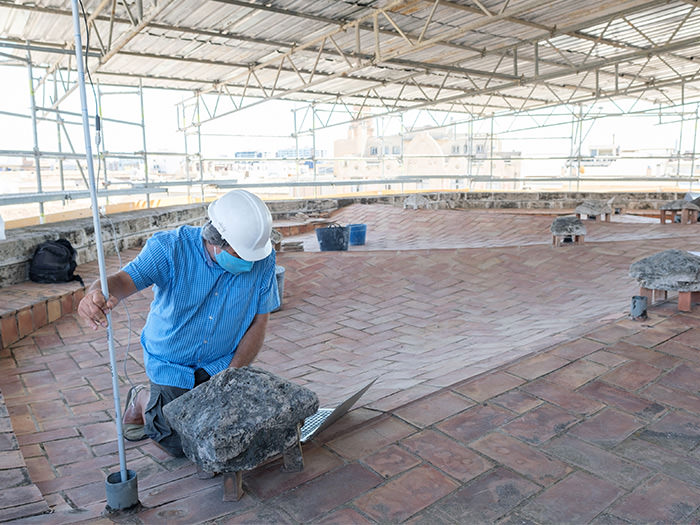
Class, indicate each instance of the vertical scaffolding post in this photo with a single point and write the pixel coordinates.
(580, 143)
(692, 155)
(37, 156)
(470, 150)
(199, 151)
(296, 142)
(58, 134)
(143, 136)
(491, 155)
(313, 144)
(187, 156)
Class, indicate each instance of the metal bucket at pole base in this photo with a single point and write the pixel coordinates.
(122, 495)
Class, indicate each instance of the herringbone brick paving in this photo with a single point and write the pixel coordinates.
(461, 427)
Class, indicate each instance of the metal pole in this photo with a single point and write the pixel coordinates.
(199, 152)
(98, 235)
(491, 156)
(103, 151)
(143, 135)
(580, 140)
(313, 146)
(37, 157)
(58, 135)
(692, 156)
(187, 156)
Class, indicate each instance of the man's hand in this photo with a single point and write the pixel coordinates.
(94, 309)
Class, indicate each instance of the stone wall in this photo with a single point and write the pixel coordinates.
(131, 229)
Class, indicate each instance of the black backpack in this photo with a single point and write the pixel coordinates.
(54, 262)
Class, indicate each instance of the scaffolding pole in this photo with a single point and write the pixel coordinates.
(143, 137)
(37, 156)
(58, 135)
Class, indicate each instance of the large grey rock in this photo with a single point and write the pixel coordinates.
(680, 205)
(594, 208)
(674, 270)
(567, 225)
(240, 418)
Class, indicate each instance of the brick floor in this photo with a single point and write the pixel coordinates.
(509, 378)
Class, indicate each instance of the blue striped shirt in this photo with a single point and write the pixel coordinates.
(199, 311)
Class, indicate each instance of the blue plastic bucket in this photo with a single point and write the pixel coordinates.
(333, 238)
(357, 234)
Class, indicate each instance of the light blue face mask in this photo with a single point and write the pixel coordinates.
(233, 264)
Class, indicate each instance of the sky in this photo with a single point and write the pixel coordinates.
(269, 126)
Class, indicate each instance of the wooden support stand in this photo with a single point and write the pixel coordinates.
(233, 486)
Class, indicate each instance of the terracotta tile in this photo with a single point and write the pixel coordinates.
(577, 373)
(323, 494)
(562, 397)
(25, 322)
(632, 376)
(66, 303)
(474, 423)
(517, 401)
(621, 399)
(11, 459)
(406, 495)
(9, 330)
(522, 458)
(672, 397)
(54, 310)
(556, 505)
(537, 366)
(607, 428)
(344, 517)
(447, 455)
(391, 460)
(257, 516)
(680, 350)
(679, 466)
(598, 461)
(488, 386)
(577, 349)
(606, 358)
(690, 337)
(14, 477)
(369, 439)
(268, 481)
(685, 377)
(676, 431)
(488, 498)
(433, 408)
(639, 353)
(540, 424)
(66, 451)
(660, 500)
(200, 506)
(23, 511)
(612, 333)
(39, 314)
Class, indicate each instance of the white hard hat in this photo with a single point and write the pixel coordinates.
(244, 222)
